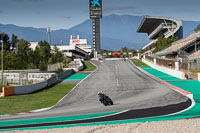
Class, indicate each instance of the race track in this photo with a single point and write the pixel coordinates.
(129, 88)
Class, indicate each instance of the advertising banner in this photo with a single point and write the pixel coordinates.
(95, 8)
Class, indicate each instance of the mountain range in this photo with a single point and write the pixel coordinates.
(117, 31)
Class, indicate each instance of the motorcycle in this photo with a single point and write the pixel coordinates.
(106, 101)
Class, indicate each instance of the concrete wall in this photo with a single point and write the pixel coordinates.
(136, 57)
(77, 67)
(20, 90)
(81, 67)
(26, 89)
(175, 73)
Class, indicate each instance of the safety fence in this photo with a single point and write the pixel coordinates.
(26, 89)
(24, 78)
(55, 67)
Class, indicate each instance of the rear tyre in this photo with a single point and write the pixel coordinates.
(105, 102)
(110, 101)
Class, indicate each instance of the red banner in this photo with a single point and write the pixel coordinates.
(76, 41)
(116, 54)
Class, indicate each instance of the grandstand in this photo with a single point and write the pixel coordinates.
(186, 52)
(73, 51)
(156, 26)
(189, 47)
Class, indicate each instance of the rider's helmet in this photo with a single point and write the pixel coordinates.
(99, 93)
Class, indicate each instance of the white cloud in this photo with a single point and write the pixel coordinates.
(118, 9)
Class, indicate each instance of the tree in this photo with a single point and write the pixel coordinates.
(56, 57)
(43, 66)
(141, 51)
(23, 54)
(33, 64)
(66, 61)
(125, 49)
(14, 41)
(6, 42)
(197, 28)
(42, 54)
(44, 51)
(133, 51)
(163, 43)
(10, 60)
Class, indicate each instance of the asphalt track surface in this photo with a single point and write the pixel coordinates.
(131, 90)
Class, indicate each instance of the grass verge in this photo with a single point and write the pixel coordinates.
(139, 63)
(42, 99)
(88, 67)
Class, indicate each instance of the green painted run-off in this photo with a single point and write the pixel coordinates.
(77, 77)
(56, 119)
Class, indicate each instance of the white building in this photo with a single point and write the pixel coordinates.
(77, 48)
(33, 45)
(81, 43)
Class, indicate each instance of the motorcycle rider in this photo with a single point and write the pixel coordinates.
(103, 97)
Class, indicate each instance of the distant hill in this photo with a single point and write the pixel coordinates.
(116, 31)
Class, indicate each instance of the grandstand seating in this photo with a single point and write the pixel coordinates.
(180, 44)
(195, 55)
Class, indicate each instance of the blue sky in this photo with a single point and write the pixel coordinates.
(63, 14)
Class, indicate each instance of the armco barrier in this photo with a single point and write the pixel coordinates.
(65, 74)
(52, 80)
(172, 72)
(78, 68)
(80, 65)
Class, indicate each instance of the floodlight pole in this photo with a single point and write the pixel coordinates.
(2, 34)
(61, 43)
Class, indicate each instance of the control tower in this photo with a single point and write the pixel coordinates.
(96, 15)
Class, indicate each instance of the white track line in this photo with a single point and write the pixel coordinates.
(73, 88)
(117, 76)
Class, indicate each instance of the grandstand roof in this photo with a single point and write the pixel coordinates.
(154, 26)
(149, 24)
